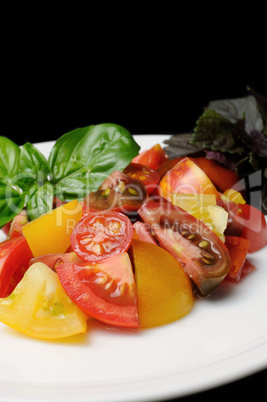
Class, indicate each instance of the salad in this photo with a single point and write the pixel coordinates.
(101, 230)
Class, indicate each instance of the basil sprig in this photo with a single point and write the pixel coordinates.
(78, 163)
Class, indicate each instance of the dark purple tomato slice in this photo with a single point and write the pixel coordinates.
(203, 255)
(119, 192)
(145, 174)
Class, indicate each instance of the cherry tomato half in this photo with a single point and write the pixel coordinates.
(146, 175)
(105, 291)
(15, 255)
(119, 192)
(99, 235)
(203, 255)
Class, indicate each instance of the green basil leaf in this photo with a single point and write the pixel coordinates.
(34, 164)
(11, 203)
(77, 185)
(9, 158)
(88, 155)
(39, 200)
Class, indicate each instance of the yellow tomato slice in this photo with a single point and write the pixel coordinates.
(164, 291)
(214, 216)
(39, 306)
(189, 201)
(234, 195)
(50, 233)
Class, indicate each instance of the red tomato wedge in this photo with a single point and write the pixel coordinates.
(15, 255)
(99, 235)
(203, 255)
(254, 227)
(186, 177)
(152, 157)
(238, 250)
(146, 175)
(105, 291)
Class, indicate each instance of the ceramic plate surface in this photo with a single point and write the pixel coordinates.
(223, 339)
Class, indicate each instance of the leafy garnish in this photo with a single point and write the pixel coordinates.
(77, 164)
(231, 131)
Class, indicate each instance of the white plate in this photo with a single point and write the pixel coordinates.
(223, 339)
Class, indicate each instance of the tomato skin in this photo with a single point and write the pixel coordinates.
(119, 192)
(146, 175)
(94, 296)
(190, 241)
(220, 176)
(15, 255)
(152, 157)
(186, 177)
(254, 227)
(99, 235)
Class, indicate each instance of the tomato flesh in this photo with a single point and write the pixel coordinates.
(15, 255)
(163, 288)
(105, 291)
(99, 235)
(119, 192)
(146, 175)
(238, 250)
(143, 232)
(203, 255)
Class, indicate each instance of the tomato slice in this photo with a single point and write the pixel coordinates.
(105, 291)
(99, 235)
(164, 290)
(119, 192)
(152, 157)
(142, 232)
(39, 306)
(15, 255)
(52, 260)
(203, 255)
(254, 227)
(221, 177)
(146, 175)
(238, 250)
(186, 177)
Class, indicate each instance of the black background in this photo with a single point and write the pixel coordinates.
(42, 107)
(148, 105)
